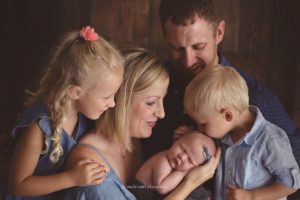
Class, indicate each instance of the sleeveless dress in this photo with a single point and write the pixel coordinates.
(38, 112)
(111, 188)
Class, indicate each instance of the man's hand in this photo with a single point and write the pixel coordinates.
(181, 131)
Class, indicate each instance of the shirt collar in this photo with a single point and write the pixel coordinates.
(256, 129)
(222, 60)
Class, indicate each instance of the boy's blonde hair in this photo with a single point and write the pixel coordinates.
(142, 70)
(215, 89)
(75, 61)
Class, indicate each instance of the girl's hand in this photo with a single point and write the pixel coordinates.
(200, 174)
(87, 172)
(181, 131)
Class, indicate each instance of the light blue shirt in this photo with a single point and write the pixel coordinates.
(263, 156)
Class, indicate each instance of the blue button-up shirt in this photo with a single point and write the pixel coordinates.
(261, 157)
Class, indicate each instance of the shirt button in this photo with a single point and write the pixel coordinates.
(176, 92)
(294, 171)
(229, 172)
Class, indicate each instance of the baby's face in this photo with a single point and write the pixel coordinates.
(187, 153)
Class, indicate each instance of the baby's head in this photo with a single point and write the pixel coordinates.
(191, 150)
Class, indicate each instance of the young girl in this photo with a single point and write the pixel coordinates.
(80, 81)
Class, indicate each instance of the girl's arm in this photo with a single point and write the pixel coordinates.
(194, 178)
(21, 180)
(270, 192)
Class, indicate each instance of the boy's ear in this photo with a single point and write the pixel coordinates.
(75, 92)
(228, 115)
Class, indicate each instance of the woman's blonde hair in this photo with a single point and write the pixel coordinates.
(142, 70)
(215, 89)
(75, 61)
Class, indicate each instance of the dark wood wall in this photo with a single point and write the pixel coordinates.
(262, 37)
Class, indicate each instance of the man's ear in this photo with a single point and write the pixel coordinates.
(220, 31)
(75, 92)
(228, 115)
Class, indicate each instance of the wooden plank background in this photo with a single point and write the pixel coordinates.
(262, 37)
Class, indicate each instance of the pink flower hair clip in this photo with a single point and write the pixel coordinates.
(88, 34)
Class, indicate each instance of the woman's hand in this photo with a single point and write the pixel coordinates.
(181, 131)
(200, 174)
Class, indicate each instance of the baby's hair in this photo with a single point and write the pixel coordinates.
(215, 89)
(78, 60)
(142, 70)
(196, 139)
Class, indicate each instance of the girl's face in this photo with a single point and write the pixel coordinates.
(97, 98)
(146, 108)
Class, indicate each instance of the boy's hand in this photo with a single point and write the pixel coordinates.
(88, 172)
(235, 193)
(181, 131)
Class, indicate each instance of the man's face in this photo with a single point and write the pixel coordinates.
(193, 47)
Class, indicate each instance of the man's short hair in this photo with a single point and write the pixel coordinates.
(182, 11)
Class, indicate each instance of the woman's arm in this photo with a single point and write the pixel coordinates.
(194, 178)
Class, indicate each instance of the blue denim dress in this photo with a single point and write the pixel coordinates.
(112, 188)
(38, 112)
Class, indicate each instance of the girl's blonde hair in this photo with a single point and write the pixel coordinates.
(142, 70)
(75, 61)
(215, 89)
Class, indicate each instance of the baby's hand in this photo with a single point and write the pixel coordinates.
(181, 131)
(88, 172)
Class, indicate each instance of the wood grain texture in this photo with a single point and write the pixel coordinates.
(262, 38)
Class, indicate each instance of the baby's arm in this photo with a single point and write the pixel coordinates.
(22, 182)
(270, 192)
(164, 177)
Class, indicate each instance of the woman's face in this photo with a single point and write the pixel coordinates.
(146, 108)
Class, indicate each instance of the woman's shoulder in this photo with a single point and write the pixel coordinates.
(89, 147)
(95, 139)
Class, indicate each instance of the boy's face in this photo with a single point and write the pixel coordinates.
(214, 125)
(186, 153)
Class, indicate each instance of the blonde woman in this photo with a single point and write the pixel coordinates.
(79, 82)
(139, 105)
